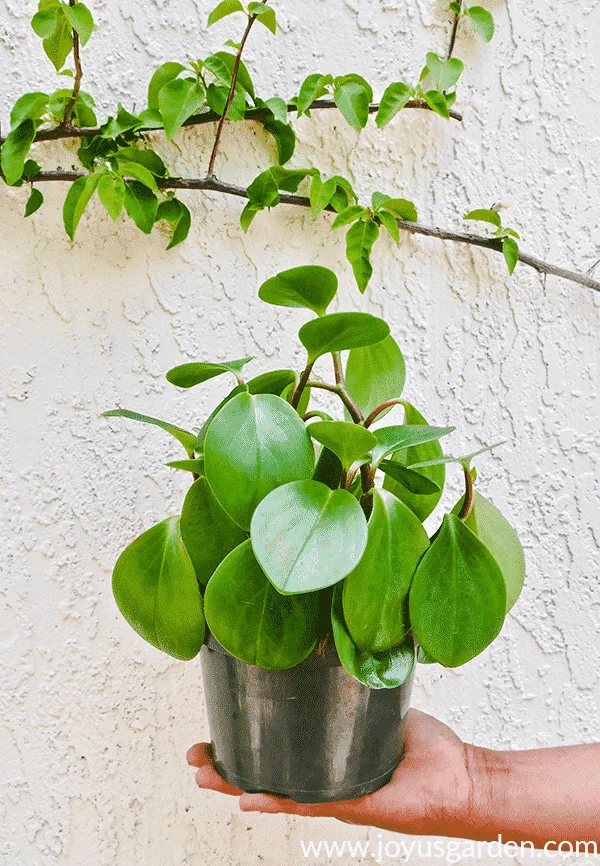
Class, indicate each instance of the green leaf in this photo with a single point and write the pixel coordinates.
(482, 21)
(344, 194)
(421, 505)
(360, 238)
(457, 597)
(279, 108)
(252, 621)
(394, 98)
(247, 215)
(111, 192)
(391, 224)
(382, 671)
(81, 20)
(58, 44)
(77, 200)
(192, 464)
(510, 249)
(412, 481)
(265, 14)
(321, 193)
(485, 215)
(349, 441)
(31, 169)
(375, 595)
(221, 65)
(208, 533)
(157, 592)
(139, 172)
(349, 215)
(263, 191)
(30, 106)
(254, 444)
(178, 100)
(328, 469)
(187, 439)
(437, 102)
(144, 156)
(44, 21)
(390, 439)
(83, 110)
(15, 150)
(34, 202)
(375, 374)
(401, 208)
(285, 138)
(494, 530)
(307, 537)
(163, 75)
(338, 331)
(288, 393)
(123, 122)
(226, 7)
(313, 87)
(272, 382)
(141, 205)
(182, 227)
(310, 286)
(353, 101)
(189, 375)
(465, 460)
(445, 73)
(289, 179)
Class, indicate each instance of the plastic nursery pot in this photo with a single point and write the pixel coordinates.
(312, 733)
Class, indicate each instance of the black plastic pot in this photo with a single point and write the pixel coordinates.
(312, 733)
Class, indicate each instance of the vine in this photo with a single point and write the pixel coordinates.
(127, 174)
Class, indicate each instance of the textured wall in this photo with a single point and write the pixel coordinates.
(94, 723)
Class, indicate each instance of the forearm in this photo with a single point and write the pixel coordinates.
(537, 796)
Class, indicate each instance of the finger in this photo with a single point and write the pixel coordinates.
(199, 755)
(208, 778)
(349, 811)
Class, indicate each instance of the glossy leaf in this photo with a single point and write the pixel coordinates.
(265, 14)
(254, 444)
(375, 595)
(44, 20)
(164, 74)
(390, 439)
(445, 73)
(272, 382)
(144, 156)
(15, 149)
(321, 193)
(208, 533)
(226, 7)
(58, 44)
(338, 331)
(391, 224)
(437, 102)
(349, 441)
(307, 537)
(360, 238)
(178, 100)
(353, 101)
(157, 592)
(111, 192)
(221, 65)
(401, 208)
(135, 171)
(141, 205)
(188, 375)
(412, 481)
(482, 21)
(187, 439)
(252, 621)
(465, 461)
(313, 87)
(485, 215)
(422, 505)
(382, 671)
(328, 469)
(309, 286)
(30, 106)
(77, 200)
(457, 597)
(182, 225)
(34, 202)
(494, 530)
(349, 215)
(375, 374)
(193, 464)
(510, 250)
(394, 98)
(80, 19)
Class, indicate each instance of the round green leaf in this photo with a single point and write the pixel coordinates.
(482, 21)
(307, 536)
(188, 375)
(252, 620)
(494, 530)
(378, 671)
(208, 533)
(253, 445)
(349, 441)
(338, 331)
(376, 593)
(272, 382)
(375, 374)
(458, 596)
(157, 592)
(421, 505)
(309, 286)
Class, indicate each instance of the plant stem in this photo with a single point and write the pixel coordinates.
(77, 80)
(338, 369)
(215, 185)
(234, 77)
(379, 409)
(467, 506)
(346, 399)
(299, 389)
(454, 30)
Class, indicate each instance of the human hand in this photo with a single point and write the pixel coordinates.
(430, 792)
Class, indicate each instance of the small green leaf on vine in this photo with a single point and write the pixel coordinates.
(510, 249)
(394, 98)
(353, 96)
(141, 205)
(15, 149)
(482, 21)
(81, 20)
(313, 87)
(486, 215)
(359, 242)
(77, 200)
(265, 14)
(111, 192)
(34, 202)
(226, 7)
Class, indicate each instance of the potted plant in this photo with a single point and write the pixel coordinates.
(308, 586)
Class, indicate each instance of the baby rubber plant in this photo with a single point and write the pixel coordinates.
(300, 528)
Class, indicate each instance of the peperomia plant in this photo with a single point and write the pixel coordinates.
(300, 528)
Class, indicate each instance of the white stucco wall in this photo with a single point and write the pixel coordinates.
(94, 723)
